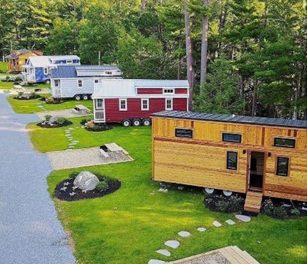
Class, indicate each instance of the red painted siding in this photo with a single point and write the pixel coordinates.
(181, 91)
(113, 115)
(149, 91)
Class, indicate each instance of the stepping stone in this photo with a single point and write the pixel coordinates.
(201, 229)
(217, 224)
(164, 252)
(244, 218)
(230, 222)
(172, 243)
(184, 233)
(156, 261)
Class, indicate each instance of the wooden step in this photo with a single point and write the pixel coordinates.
(253, 202)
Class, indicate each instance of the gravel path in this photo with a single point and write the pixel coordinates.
(67, 113)
(29, 229)
(76, 158)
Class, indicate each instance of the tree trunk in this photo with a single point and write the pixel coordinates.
(189, 52)
(254, 99)
(204, 46)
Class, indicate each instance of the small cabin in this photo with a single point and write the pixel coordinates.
(77, 81)
(38, 69)
(131, 102)
(256, 156)
(18, 58)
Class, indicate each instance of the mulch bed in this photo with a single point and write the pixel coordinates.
(67, 123)
(114, 185)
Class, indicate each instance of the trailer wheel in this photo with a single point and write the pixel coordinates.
(227, 193)
(126, 123)
(209, 190)
(136, 122)
(146, 122)
(77, 97)
(85, 97)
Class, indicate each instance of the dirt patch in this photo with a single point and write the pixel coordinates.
(61, 194)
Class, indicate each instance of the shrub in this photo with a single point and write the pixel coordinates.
(51, 100)
(48, 117)
(225, 204)
(73, 175)
(102, 186)
(278, 210)
(295, 212)
(92, 126)
(84, 121)
(61, 120)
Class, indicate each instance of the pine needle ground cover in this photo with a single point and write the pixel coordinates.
(128, 226)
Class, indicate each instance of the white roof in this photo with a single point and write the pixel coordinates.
(43, 61)
(127, 87)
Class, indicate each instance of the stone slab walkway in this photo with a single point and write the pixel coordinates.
(67, 113)
(76, 158)
(29, 229)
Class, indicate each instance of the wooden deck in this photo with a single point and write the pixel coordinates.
(253, 202)
(227, 255)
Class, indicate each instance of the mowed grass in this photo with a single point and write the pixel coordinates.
(6, 85)
(128, 226)
(32, 106)
(3, 67)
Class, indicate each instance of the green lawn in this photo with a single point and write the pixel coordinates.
(130, 224)
(6, 85)
(31, 106)
(3, 67)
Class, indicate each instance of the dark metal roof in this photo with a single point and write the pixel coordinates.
(70, 71)
(64, 72)
(252, 120)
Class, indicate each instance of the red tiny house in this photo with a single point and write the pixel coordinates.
(131, 102)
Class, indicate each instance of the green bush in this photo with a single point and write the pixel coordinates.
(102, 186)
(221, 203)
(61, 120)
(47, 117)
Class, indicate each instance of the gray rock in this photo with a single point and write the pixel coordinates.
(230, 222)
(172, 243)
(63, 188)
(156, 261)
(86, 181)
(72, 193)
(244, 218)
(164, 252)
(217, 224)
(201, 229)
(184, 234)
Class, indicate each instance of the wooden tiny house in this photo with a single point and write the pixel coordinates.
(253, 155)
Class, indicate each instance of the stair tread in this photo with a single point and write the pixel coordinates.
(253, 201)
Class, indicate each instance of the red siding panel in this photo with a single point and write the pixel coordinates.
(113, 115)
(181, 91)
(149, 91)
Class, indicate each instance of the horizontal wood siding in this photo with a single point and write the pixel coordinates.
(197, 165)
(181, 91)
(149, 91)
(113, 115)
(201, 161)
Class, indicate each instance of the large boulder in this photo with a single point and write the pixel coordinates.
(86, 181)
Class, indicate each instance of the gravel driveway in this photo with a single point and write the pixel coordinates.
(29, 229)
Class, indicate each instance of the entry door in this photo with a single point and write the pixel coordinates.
(256, 170)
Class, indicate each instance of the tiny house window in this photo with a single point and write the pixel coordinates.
(230, 137)
(123, 104)
(108, 72)
(45, 71)
(56, 83)
(185, 133)
(145, 104)
(232, 160)
(168, 104)
(96, 80)
(284, 142)
(168, 91)
(282, 166)
(80, 83)
(99, 104)
(69, 62)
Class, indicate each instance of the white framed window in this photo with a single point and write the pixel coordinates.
(80, 83)
(145, 104)
(122, 104)
(168, 104)
(56, 83)
(99, 103)
(46, 71)
(68, 61)
(168, 91)
(108, 72)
